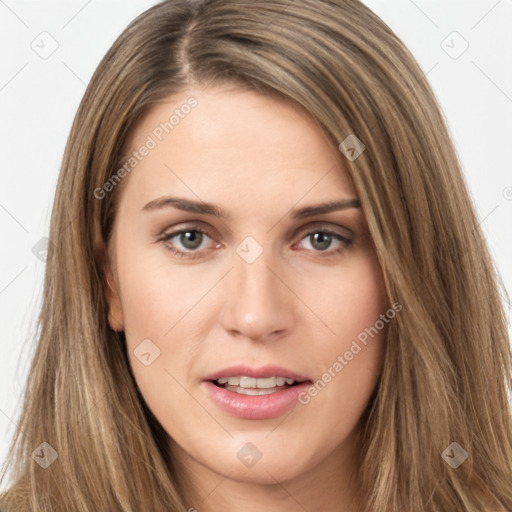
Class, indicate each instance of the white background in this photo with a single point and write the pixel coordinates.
(39, 98)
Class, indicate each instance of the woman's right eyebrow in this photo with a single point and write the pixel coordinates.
(186, 205)
(204, 208)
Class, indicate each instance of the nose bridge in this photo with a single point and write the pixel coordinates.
(254, 279)
(258, 304)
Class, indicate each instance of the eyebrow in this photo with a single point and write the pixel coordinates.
(203, 208)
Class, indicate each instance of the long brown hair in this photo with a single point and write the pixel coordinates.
(447, 366)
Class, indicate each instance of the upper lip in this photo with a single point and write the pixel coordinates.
(258, 373)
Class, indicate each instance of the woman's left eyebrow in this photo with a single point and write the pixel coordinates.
(310, 211)
(203, 208)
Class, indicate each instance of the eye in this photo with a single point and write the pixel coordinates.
(186, 242)
(320, 240)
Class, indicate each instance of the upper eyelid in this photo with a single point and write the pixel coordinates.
(171, 233)
(310, 226)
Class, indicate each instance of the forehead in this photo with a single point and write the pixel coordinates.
(227, 141)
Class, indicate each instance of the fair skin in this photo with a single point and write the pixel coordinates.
(299, 305)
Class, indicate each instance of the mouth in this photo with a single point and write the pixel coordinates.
(255, 393)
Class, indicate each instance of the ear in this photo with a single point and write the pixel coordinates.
(111, 289)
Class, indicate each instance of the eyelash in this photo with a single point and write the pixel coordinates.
(192, 254)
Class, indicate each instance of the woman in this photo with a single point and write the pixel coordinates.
(266, 287)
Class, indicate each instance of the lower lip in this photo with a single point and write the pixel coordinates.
(256, 407)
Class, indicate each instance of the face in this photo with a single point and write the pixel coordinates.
(244, 306)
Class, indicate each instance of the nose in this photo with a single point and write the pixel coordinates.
(258, 302)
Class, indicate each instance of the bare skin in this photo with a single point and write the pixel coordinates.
(300, 304)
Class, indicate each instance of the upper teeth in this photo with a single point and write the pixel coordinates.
(251, 382)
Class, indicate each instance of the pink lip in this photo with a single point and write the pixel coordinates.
(256, 407)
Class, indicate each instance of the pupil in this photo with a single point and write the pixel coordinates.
(323, 239)
(191, 239)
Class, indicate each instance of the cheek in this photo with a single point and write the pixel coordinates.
(161, 310)
(162, 317)
(156, 294)
(348, 355)
(346, 299)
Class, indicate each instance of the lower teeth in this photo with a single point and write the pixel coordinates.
(253, 391)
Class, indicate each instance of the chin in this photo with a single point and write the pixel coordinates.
(266, 472)
(263, 460)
